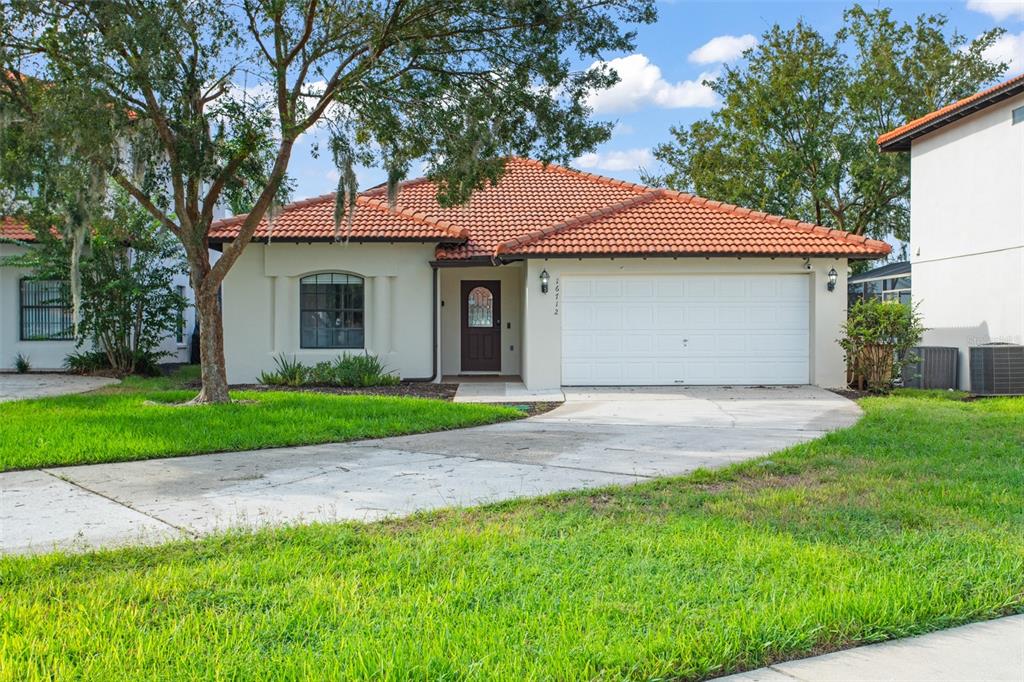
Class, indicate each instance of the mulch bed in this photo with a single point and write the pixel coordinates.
(406, 389)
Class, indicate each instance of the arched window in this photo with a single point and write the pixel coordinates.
(331, 311)
(480, 307)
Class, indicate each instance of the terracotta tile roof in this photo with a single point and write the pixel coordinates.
(313, 219)
(15, 229)
(663, 222)
(538, 210)
(528, 197)
(899, 138)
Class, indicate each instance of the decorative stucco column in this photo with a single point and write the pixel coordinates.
(282, 327)
(381, 315)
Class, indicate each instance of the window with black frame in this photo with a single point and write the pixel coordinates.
(331, 311)
(45, 312)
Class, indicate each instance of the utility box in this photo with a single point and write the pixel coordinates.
(997, 369)
(936, 367)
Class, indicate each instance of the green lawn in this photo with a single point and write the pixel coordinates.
(910, 521)
(133, 421)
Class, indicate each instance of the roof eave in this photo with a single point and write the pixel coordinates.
(902, 143)
(507, 257)
(356, 240)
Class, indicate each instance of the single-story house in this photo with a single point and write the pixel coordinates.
(889, 282)
(35, 316)
(967, 218)
(552, 275)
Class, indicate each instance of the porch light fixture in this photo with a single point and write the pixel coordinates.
(544, 279)
(833, 277)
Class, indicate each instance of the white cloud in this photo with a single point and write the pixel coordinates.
(722, 49)
(628, 159)
(998, 9)
(641, 83)
(1008, 48)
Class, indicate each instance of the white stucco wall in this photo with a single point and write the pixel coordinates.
(261, 304)
(967, 230)
(43, 355)
(511, 278)
(542, 349)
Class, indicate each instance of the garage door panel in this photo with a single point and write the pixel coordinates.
(732, 343)
(608, 287)
(638, 288)
(793, 288)
(639, 316)
(639, 343)
(575, 344)
(576, 288)
(701, 316)
(689, 329)
(732, 316)
(578, 316)
(670, 287)
(669, 316)
(703, 287)
(608, 316)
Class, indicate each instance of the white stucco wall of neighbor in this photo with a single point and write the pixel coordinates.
(43, 355)
(542, 338)
(261, 304)
(967, 230)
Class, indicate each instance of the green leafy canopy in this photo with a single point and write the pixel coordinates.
(191, 104)
(796, 131)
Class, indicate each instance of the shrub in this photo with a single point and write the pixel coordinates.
(361, 371)
(145, 363)
(288, 373)
(354, 371)
(877, 338)
(21, 364)
(322, 373)
(86, 362)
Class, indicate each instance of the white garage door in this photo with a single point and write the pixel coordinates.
(689, 329)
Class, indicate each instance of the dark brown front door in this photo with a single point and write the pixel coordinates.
(481, 326)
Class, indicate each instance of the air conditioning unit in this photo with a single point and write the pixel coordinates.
(997, 369)
(935, 367)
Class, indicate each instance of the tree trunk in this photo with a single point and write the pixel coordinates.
(211, 349)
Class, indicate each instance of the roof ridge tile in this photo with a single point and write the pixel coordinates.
(603, 179)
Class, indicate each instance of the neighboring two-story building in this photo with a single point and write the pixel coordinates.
(36, 320)
(967, 218)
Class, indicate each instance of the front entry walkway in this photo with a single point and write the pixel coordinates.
(597, 438)
(32, 385)
(504, 390)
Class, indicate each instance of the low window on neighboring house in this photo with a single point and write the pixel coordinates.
(1018, 115)
(331, 311)
(45, 313)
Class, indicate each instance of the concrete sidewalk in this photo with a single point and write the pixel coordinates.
(992, 651)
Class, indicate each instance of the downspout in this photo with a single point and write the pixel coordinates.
(434, 307)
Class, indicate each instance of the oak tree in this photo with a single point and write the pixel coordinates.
(795, 134)
(190, 104)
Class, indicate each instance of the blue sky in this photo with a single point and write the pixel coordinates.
(661, 79)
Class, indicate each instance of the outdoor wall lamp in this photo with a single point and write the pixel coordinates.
(544, 279)
(833, 277)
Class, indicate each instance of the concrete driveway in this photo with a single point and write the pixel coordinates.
(31, 385)
(597, 438)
